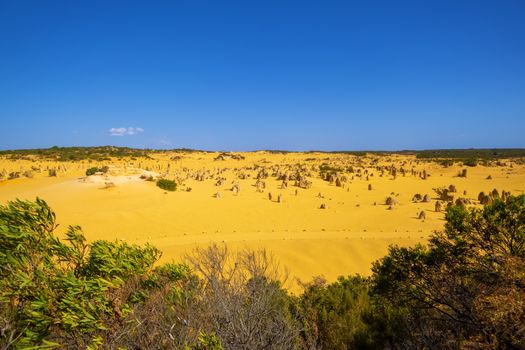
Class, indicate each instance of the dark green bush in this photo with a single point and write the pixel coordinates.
(446, 162)
(470, 162)
(168, 185)
(338, 315)
(94, 170)
(328, 168)
(466, 286)
(91, 171)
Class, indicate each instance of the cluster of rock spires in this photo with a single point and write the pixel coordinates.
(336, 173)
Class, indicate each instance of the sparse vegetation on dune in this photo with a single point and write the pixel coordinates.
(464, 288)
(168, 185)
(76, 153)
(94, 170)
(471, 157)
(327, 213)
(235, 189)
(472, 153)
(467, 156)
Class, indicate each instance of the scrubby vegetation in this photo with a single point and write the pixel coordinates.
(470, 155)
(326, 168)
(98, 153)
(470, 162)
(464, 290)
(168, 185)
(76, 153)
(94, 170)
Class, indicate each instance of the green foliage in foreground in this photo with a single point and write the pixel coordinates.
(464, 290)
(168, 185)
(467, 287)
(60, 289)
(339, 315)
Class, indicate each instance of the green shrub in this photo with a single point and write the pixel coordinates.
(94, 170)
(54, 292)
(333, 315)
(168, 185)
(91, 171)
(446, 163)
(466, 286)
(207, 342)
(328, 168)
(470, 162)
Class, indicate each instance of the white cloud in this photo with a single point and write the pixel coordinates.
(125, 131)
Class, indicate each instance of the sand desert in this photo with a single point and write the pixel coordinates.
(277, 175)
(320, 214)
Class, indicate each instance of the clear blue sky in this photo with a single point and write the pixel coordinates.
(246, 75)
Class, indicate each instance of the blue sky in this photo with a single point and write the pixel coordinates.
(246, 75)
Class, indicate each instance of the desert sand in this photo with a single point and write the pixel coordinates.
(313, 226)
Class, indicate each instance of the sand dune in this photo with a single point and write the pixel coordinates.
(354, 230)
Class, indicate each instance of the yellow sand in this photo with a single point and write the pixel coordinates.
(343, 239)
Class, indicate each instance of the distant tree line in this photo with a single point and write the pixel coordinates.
(61, 154)
(494, 153)
(101, 153)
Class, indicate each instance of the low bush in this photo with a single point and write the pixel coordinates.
(94, 170)
(446, 163)
(91, 171)
(168, 185)
(470, 162)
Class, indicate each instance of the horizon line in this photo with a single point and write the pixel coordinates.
(4, 150)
